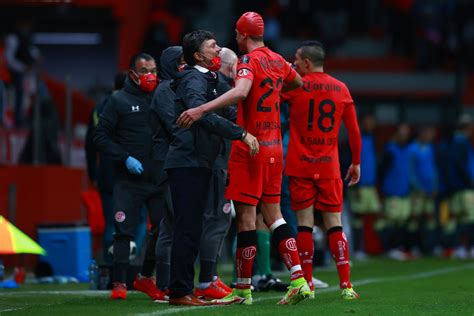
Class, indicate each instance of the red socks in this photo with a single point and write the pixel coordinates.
(244, 258)
(340, 252)
(305, 244)
(287, 247)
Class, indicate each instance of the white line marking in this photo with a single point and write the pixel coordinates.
(175, 310)
(421, 275)
(11, 309)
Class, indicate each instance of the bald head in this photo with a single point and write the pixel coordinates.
(229, 62)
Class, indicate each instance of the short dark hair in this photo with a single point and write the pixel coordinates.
(314, 51)
(136, 57)
(192, 43)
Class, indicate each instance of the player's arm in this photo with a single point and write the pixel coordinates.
(194, 97)
(349, 118)
(233, 96)
(293, 84)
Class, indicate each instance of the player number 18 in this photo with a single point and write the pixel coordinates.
(328, 115)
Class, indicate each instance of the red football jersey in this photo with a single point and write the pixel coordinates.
(316, 112)
(259, 113)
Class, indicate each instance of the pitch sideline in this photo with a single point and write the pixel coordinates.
(420, 275)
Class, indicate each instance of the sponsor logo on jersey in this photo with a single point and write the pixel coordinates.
(243, 72)
(135, 108)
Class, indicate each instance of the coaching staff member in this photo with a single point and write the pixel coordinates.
(190, 159)
(125, 134)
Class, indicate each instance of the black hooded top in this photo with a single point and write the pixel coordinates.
(162, 106)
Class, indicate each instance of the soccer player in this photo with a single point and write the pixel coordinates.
(462, 185)
(424, 181)
(394, 174)
(363, 198)
(252, 181)
(312, 163)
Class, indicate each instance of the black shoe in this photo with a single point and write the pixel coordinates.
(269, 282)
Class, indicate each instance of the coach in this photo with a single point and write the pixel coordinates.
(190, 159)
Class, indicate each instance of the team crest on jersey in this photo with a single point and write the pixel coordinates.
(226, 208)
(120, 216)
(243, 72)
(245, 59)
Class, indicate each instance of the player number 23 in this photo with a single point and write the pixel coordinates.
(269, 82)
(324, 115)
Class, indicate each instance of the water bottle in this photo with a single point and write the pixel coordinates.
(2, 271)
(93, 275)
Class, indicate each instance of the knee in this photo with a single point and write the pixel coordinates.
(245, 224)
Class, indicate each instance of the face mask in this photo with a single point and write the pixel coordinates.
(181, 67)
(213, 64)
(216, 64)
(148, 82)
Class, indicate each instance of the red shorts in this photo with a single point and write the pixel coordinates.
(324, 194)
(251, 183)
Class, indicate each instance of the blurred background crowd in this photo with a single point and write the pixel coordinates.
(407, 63)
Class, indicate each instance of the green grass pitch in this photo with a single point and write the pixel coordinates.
(422, 287)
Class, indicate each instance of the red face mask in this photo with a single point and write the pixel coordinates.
(148, 82)
(216, 64)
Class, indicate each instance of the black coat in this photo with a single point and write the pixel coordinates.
(125, 130)
(199, 145)
(103, 171)
(163, 114)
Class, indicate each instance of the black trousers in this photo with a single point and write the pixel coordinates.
(129, 197)
(217, 218)
(189, 192)
(216, 224)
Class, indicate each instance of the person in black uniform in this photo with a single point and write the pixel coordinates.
(125, 134)
(163, 113)
(217, 214)
(190, 159)
(100, 170)
(217, 217)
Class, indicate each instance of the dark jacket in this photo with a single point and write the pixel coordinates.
(162, 106)
(199, 145)
(101, 171)
(125, 130)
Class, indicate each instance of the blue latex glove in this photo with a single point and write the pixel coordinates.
(134, 166)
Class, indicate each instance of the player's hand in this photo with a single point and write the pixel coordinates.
(187, 118)
(353, 173)
(253, 144)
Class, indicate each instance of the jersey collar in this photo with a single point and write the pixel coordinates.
(201, 69)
